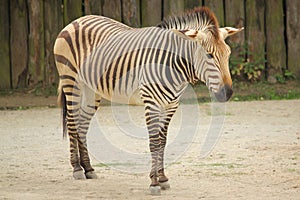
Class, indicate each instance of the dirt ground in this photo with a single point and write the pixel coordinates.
(256, 157)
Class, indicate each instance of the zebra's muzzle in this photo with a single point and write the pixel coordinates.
(224, 93)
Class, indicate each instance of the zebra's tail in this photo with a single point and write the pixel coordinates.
(61, 101)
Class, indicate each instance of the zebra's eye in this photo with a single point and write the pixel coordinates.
(209, 55)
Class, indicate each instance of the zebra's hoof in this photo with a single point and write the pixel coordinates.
(164, 185)
(155, 190)
(91, 175)
(78, 175)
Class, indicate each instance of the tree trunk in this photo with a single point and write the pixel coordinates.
(131, 13)
(235, 17)
(293, 36)
(190, 4)
(218, 8)
(36, 42)
(92, 7)
(52, 27)
(112, 9)
(151, 12)
(18, 43)
(172, 7)
(5, 76)
(72, 10)
(255, 33)
(276, 57)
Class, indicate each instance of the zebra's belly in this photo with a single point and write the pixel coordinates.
(132, 98)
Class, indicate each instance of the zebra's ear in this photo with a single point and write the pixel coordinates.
(228, 31)
(186, 34)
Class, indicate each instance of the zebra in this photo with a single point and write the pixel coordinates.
(98, 57)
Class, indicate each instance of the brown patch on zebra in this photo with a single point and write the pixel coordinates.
(200, 19)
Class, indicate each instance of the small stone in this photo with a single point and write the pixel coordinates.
(155, 190)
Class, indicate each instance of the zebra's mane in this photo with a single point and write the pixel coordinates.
(200, 18)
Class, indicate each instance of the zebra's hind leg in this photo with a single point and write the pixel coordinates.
(70, 101)
(89, 105)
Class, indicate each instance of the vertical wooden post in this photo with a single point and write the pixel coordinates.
(276, 56)
(92, 7)
(235, 17)
(190, 4)
(18, 43)
(151, 12)
(218, 8)
(36, 42)
(5, 76)
(255, 31)
(172, 7)
(293, 36)
(112, 9)
(72, 10)
(53, 23)
(131, 13)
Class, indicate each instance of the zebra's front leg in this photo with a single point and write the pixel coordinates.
(165, 119)
(158, 120)
(152, 122)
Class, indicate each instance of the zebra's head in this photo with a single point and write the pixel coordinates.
(200, 25)
(219, 52)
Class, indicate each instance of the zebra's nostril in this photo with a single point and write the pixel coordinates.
(224, 94)
(228, 91)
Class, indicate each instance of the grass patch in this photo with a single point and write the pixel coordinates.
(245, 91)
(116, 164)
(293, 170)
(219, 174)
(100, 165)
(224, 165)
(38, 90)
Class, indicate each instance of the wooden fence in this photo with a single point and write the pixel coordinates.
(29, 28)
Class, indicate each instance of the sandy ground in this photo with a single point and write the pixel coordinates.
(257, 155)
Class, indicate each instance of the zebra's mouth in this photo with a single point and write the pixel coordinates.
(224, 94)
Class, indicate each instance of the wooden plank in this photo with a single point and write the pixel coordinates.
(112, 9)
(151, 12)
(255, 33)
(52, 27)
(5, 76)
(235, 17)
(190, 4)
(276, 49)
(217, 7)
(293, 36)
(93, 7)
(172, 7)
(72, 10)
(36, 42)
(131, 13)
(18, 42)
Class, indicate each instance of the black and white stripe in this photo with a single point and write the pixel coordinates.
(97, 57)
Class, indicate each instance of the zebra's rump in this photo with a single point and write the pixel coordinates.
(79, 38)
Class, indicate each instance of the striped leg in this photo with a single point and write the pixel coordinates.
(152, 122)
(89, 105)
(165, 118)
(72, 97)
(157, 121)
(81, 106)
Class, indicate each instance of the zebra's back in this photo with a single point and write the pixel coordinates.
(117, 68)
